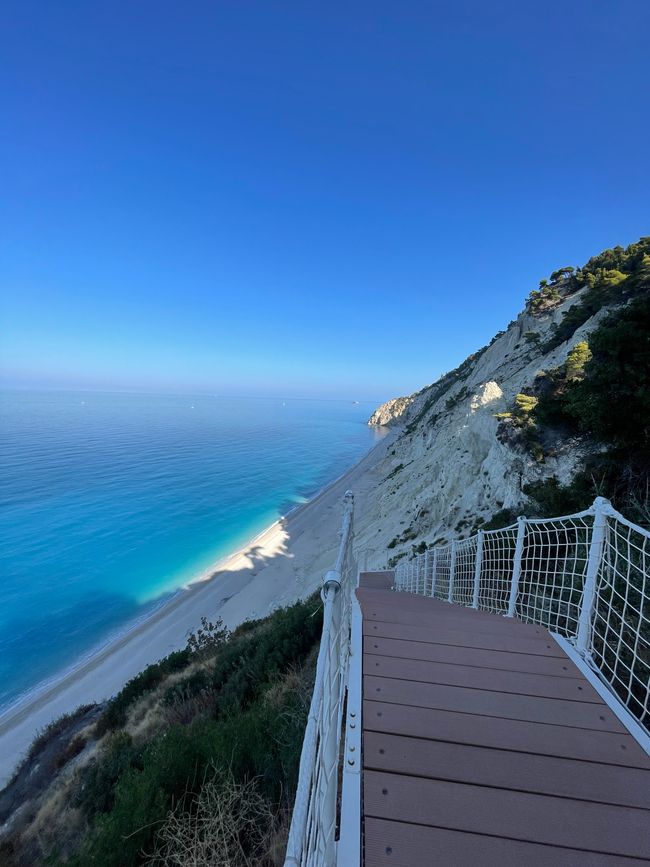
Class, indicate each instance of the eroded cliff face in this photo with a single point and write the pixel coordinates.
(447, 468)
(391, 413)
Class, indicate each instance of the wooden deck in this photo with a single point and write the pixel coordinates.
(483, 744)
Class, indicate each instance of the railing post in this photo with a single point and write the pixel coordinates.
(426, 571)
(593, 564)
(433, 571)
(452, 571)
(477, 568)
(516, 567)
(329, 744)
(349, 845)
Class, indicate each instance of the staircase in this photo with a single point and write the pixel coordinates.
(493, 710)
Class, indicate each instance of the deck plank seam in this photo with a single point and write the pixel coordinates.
(577, 676)
(617, 855)
(439, 740)
(449, 643)
(599, 702)
(473, 784)
(507, 718)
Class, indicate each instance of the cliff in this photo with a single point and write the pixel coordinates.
(391, 413)
(556, 405)
(460, 458)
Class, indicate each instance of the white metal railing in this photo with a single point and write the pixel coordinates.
(312, 835)
(585, 577)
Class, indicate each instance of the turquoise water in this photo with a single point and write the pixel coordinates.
(111, 501)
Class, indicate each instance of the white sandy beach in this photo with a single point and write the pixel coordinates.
(280, 565)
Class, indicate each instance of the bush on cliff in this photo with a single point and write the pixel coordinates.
(602, 393)
(244, 741)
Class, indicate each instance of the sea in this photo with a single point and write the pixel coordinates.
(110, 502)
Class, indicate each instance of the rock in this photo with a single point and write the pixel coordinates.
(447, 465)
(391, 413)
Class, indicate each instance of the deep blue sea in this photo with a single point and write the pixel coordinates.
(108, 502)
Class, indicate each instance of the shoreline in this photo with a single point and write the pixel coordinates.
(216, 591)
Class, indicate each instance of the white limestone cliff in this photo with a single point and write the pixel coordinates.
(391, 413)
(446, 468)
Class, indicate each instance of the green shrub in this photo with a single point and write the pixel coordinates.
(257, 731)
(208, 638)
(550, 498)
(524, 407)
(603, 392)
(95, 792)
(115, 714)
(502, 518)
(612, 277)
(394, 472)
(574, 366)
(612, 400)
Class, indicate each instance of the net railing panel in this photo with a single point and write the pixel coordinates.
(585, 577)
(619, 646)
(443, 572)
(553, 569)
(498, 552)
(465, 563)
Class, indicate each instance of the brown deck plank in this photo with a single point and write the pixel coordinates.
(484, 744)
(546, 775)
(376, 580)
(508, 734)
(531, 708)
(495, 680)
(456, 655)
(397, 844)
(509, 643)
(518, 815)
(480, 623)
(373, 600)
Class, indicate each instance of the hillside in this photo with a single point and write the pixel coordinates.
(554, 411)
(213, 731)
(516, 427)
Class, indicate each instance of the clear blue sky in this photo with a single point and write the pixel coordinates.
(304, 198)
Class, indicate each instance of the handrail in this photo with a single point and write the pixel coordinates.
(585, 577)
(312, 834)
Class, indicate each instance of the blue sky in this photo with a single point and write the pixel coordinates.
(303, 198)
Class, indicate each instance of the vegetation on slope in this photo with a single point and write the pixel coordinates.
(602, 394)
(600, 397)
(593, 406)
(612, 277)
(215, 727)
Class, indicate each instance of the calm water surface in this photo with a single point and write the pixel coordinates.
(110, 501)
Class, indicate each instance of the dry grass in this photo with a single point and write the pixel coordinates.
(54, 824)
(229, 824)
(297, 681)
(148, 716)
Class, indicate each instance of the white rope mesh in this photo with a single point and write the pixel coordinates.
(443, 570)
(496, 569)
(464, 571)
(553, 569)
(619, 644)
(583, 576)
